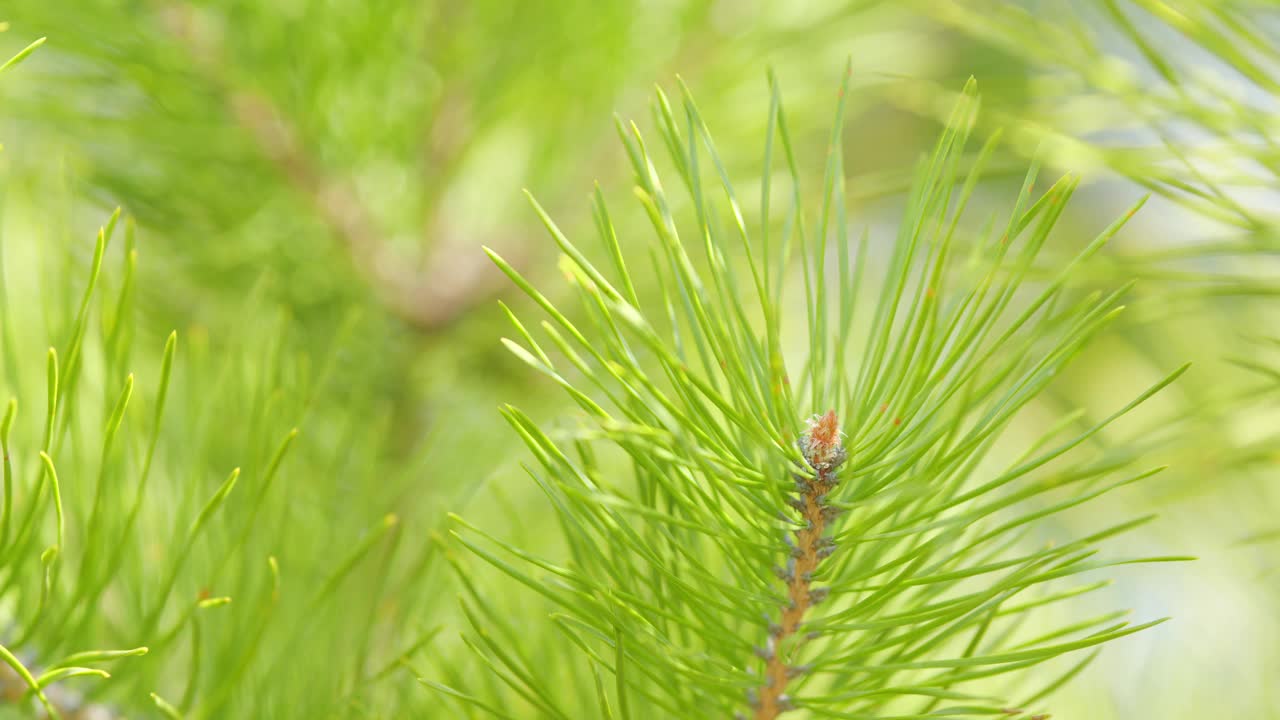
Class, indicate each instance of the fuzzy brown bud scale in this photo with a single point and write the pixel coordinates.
(823, 449)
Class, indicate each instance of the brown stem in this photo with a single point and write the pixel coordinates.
(772, 695)
(824, 452)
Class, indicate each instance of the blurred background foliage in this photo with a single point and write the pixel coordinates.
(312, 181)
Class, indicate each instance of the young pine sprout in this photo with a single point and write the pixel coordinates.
(719, 557)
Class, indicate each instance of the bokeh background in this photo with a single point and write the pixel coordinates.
(312, 181)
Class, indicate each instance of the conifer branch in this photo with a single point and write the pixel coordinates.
(428, 298)
(823, 450)
(923, 608)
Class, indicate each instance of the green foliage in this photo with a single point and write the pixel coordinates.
(126, 526)
(1176, 99)
(936, 532)
(152, 495)
(261, 499)
(372, 148)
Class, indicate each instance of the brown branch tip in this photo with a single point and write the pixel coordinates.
(823, 449)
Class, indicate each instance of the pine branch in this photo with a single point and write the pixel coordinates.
(107, 575)
(429, 299)
(824, 451)
(663, 584)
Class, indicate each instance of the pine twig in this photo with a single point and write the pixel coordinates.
(427, 299)
(824, 451)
